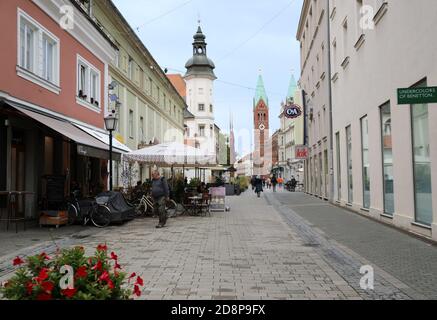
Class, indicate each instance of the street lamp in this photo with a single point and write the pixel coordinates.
(111, 125)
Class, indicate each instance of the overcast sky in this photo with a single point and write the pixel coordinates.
(243, 36)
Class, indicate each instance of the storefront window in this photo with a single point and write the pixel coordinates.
(387, 159)
(422, 163)
(337, 143)
(349, 165)
(366, 163)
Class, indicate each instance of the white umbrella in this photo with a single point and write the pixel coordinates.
(169, 154)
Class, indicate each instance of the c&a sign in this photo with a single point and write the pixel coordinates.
(292, 111)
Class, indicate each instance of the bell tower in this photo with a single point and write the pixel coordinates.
(261, 126)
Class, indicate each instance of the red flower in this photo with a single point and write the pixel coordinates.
(44, 296)
(132, 275)
(137, 291)
(29, 287)
(17, 261)
(110, 284)
(104, 276)
(117, 266)
(81, 272)
(102, 247)
(47, 286)
(98, 266)
(43, 275)
(114, 256)
(44, 256)
(140, 281)
(69, 293)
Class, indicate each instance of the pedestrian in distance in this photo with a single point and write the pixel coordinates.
(293, 184)
(252, 182)
(274, 182)
(258, 186)
(160, 194)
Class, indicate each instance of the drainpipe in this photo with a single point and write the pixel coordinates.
(331, 144)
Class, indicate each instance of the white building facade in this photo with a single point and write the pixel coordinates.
(386, 157)
(201, 132)
(314, 81)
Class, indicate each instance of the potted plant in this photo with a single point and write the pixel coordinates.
(71, 275)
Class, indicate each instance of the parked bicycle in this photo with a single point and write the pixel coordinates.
(144, 206)
(98, 213)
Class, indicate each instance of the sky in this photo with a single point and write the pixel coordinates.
(244, 37)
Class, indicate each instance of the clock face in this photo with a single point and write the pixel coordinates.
(262, 126)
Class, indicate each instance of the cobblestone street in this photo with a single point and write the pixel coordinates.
(261, 249)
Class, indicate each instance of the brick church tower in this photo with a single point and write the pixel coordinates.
(261, 129)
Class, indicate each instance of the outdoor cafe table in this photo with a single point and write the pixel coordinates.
(195, 200)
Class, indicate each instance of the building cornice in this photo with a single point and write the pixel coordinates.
(302, 19)
(83, 31)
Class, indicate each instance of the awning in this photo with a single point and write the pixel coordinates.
(104, 137)
(88, 145)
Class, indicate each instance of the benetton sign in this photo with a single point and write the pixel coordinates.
(417, 95)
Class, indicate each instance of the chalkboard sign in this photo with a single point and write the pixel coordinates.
(55, 188)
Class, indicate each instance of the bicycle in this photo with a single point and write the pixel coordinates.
(98, 213)
(146, 204)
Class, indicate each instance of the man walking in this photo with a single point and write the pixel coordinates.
(274, 183)
(160, 194)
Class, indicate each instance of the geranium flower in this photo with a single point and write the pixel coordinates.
(117, 266)
(132, 275)
(69, 293)
(102, 247)
(140, 281)
(47, 286)
(43, 275)
(104, 276)
(137, 291)
(114, 256)
(110, 284)
(98, 266)
(44, 256)
(17, 261)
(81, 272)
(29, 287)
(44, 296)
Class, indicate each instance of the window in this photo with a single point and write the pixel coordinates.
(201, 130)
(422, 162)
(201, 107)
(130, 69)
(200, 91)
(359, 8)
(88, 84)
(387, 159)
(365, 161)
(117, 59)
(211, 108)
(38, 53)
(337, 143)
(131, 124)
(211, 131)
(141, 130)
(349, 165)
(150, 86)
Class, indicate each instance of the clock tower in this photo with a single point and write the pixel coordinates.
(261, 127)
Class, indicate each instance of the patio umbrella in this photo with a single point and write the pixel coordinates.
(171, 154)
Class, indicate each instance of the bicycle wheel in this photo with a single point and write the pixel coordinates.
(101, 216)
(72, 214)
(171, 206)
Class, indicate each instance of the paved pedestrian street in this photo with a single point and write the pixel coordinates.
(262, 249)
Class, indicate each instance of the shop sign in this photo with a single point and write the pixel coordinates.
(292, 111)
(417, 95)
(301, 152)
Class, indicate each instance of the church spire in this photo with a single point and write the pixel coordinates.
(260, 93)
(292, 87)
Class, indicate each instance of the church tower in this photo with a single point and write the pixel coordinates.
(199, 79)
(261, 127)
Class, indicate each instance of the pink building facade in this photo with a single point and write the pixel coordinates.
(53, 100)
